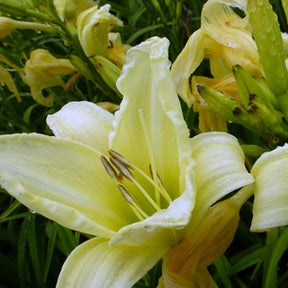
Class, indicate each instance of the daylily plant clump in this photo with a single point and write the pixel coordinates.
(138, 185)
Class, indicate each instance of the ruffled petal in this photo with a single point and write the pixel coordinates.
(270, 207)
(151, 132)
(95, 264)
(150, 129)
(84, 122)
(186, 63)
(64, 181)
(220, 169)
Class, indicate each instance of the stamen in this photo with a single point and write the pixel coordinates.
(134, 206)
(152, 202)
(160, 186)
(122, 169)
(108, 167)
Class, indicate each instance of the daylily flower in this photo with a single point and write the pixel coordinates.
(42, 71)
(128, 178)
(94, 28)
(224, 38)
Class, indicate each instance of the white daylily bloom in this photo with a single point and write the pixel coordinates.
(128, 179)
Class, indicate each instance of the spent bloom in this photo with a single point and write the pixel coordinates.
(42, 71)
(224, 38)
(134, 179)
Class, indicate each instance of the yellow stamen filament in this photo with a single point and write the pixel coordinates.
(134, 206)
(152, 202)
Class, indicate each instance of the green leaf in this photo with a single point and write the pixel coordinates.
(277, 252)
(223, 268)
(267, 34)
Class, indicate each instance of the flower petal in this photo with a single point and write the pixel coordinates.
(220, 168)
(42, 71)
(64, 181)
(84, 122)
(270, 207)
(150, 129)
(7, 79)
(93, 27)
(185, 264)
(186, 63)
(95, 264)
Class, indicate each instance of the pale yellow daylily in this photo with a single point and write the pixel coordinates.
(134, 179)
(42, 71)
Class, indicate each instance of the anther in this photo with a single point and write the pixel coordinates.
(126, 194)
(120, 158)
(108, 167)
(152, 176)
(134, 206)
(122, 169)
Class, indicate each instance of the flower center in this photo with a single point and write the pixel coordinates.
(119, 168)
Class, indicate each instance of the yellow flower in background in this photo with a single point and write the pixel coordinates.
(94, 27)
(225, 39)
(7, 79)
(209, 120)
(68, 10)
(42, 71)
(134, 179)
(8, 25)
